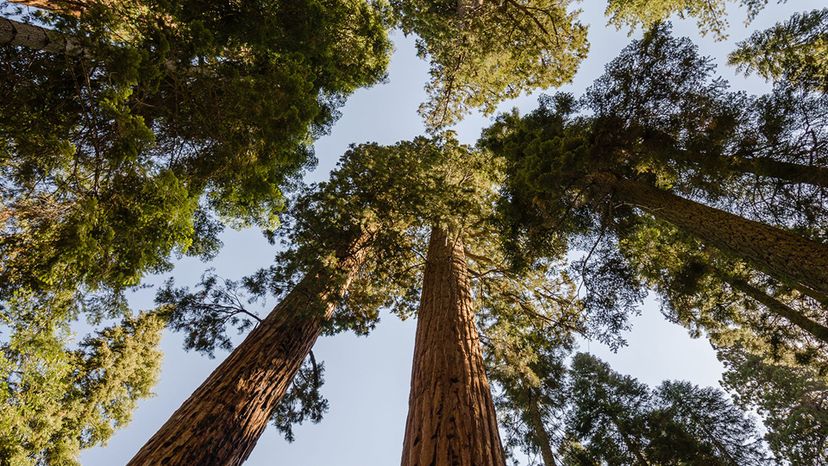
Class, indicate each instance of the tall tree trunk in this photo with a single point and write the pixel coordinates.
(222, 420)
(765, 167)
(777, 307)
(538, 431)
(36, 38)
(786, 171)
(451, 416)
(786, 256)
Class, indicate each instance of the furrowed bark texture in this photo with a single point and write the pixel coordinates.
(451, 415)
(36, 38)
(222, 420)
(787, 257)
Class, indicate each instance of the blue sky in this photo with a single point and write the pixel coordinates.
(367, 378)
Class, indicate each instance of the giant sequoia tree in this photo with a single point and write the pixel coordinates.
(137, 129)
(397, 191)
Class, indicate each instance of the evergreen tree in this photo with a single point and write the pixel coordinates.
(58, 397)
(794, 51)
(576, 175)
(115, 157)
(483, 52)
(725, 300)
(607, 418)
(400, 189)
(791, 401)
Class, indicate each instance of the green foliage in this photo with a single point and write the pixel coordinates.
(658, 116)
(172, 120)
(617, 420)
(385, 199)
(484, 52)
(709, 14)
(589, 414)
(106, 155)
(303, 401)
(56, 400)
(704, 290)
(794, 51)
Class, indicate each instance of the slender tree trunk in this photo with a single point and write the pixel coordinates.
(633, 447)
(70, 7)
(766, 167)
(777, 307)
(786, 171)
(222, 420)
(451, 415)
(788, 257)
(36, 38)
(541, 437)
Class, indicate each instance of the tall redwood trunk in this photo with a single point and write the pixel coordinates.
(786, 256)
(222, 420)
(451, 416)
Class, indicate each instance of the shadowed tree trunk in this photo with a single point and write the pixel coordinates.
(36, 38)
(541, 437)
(788, 257)
(70, 7)
(763, 167)
(777, 307)
(786, 171)
(222, 420)
(451, 416)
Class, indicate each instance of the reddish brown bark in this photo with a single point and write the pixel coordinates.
(223, 419)
(786, 256)
(451, 416)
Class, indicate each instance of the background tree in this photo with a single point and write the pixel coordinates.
(791, 401)
(609, 418)
(59, 396)
(792, 51)
(725, 300)
(601, 175)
